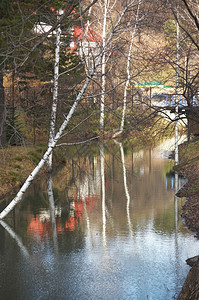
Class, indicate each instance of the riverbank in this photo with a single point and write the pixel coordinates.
(189, 167)
(16, 164)
(18, 161)
(22, 158)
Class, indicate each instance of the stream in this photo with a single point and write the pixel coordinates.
(106, 225)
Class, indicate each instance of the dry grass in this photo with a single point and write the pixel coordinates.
(16, 164)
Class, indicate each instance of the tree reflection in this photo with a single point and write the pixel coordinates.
(177, 256)
(52, 210)
(103, 193)
(16, 238)
(176, 202)
(125, 187)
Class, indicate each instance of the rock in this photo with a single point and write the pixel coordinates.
(192, 260)
(190, 290)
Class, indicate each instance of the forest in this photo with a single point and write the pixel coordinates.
(78, 71)
(94, 94)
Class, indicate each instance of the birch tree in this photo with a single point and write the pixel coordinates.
(19, 42)
(106, 4)
(186, 16)
(2, 113)
(55, 88)
(63, 126)
(128, 74)
(84, 53)
(108, 9)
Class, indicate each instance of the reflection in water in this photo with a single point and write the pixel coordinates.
(125, 187)
(52, 210)
(16, 238)
(173, 182)
(103, 194)
(79, 235)
(177, 186)
(55, 219)
(176, 228)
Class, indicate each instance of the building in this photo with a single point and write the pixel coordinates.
(87, 43)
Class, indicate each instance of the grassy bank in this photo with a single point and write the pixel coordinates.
(18, 161)
(16, 164)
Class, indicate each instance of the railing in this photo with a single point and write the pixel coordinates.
(173, 100)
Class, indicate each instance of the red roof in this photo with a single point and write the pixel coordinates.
(90, 36)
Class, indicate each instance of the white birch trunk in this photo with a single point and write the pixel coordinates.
(87, 52)
(128, 76)
(55, 88)
(177, 85)
(103, 69)
(31, 177)
(88, 22)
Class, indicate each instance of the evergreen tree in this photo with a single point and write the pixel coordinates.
(22, 50)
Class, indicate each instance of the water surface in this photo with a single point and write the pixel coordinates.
(106, 226)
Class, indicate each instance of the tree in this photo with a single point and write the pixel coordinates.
(13, 16)
(128, 74)
(50, 148)
(185, 15)
(2, 113)
(8, 19)
(106, 7)
(18, 41)
(55, 87)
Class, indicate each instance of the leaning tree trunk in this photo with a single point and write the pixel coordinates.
(2, 113)
(50, 148)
